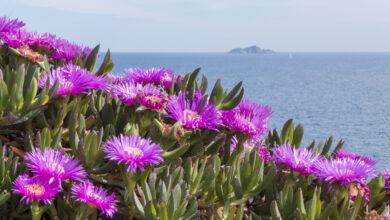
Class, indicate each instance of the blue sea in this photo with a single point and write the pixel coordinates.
(344, 95)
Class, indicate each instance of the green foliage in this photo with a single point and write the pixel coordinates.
(19, 97)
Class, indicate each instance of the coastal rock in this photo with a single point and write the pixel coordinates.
(251, 50)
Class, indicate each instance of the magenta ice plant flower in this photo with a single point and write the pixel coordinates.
(54, 165)
(192, 114)
(248, 117)
(68, 51)
(116, 79)
(35, 189)
(16, 39)
(344, 170)
(152, 97)
(127, 92)
(301, 160)
(95, 197)
(166, 79)
(41, 40)
(160, 76)
(153, 75)
(134, 151)
(120, 78)
(72, 79)
(356, 188)
(12, 34)
(263, 151)
(9, 25)
(253, 144)
(344, 154)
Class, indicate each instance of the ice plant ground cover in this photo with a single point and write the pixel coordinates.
(77, 142)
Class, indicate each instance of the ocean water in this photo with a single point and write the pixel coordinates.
(344, 95)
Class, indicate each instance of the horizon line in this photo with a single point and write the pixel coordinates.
(227, 52)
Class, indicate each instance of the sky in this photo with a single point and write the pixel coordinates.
(211, 25)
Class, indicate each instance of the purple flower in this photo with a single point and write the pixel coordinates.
(192, 114)
(9, 25)
(16, 39)
(116, 79)
(301, 160)
(121, 78)
(356, 188)
(12, 34)
(253, 144)
(72, 79)
(41, 40)
(153, 75)
(22, 37)
(68, 51)
(35, 189)
(166, 79)
(264, 153)
(160, 76)
(345, 170)
(344, 154)
(54, 165)
(152, 97)
(127, 92)
(248, 117)
(133, 151)
(95, 197)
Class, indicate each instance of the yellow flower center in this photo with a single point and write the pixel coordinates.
(56, 167)
(95, 197)
(36, 189)
(153, 99)
(296, 159)
(166, 77)
(134, 152)
(191, 115)
(68, 84)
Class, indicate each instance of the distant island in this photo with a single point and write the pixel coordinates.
(252, 50)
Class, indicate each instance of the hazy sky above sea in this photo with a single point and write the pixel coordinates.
(211, 25)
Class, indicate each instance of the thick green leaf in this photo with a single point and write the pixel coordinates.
(138, 205)
(46, 138)
(275, 211)
(237, 188)
(301, 202)
(203, 85)
(191, 82)
(312, 211)
(232, 93)
(4, 197)
(92, 58)
(287, 127)
(107, 64)
(176, 153)
(298, 134)
(327, 146)
(233, 102)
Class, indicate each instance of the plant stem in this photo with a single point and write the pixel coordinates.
(35, 211)
(129, 178)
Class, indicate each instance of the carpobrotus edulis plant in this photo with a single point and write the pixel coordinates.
(79, 142)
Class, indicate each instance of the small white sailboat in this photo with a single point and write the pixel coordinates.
(290, 56)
